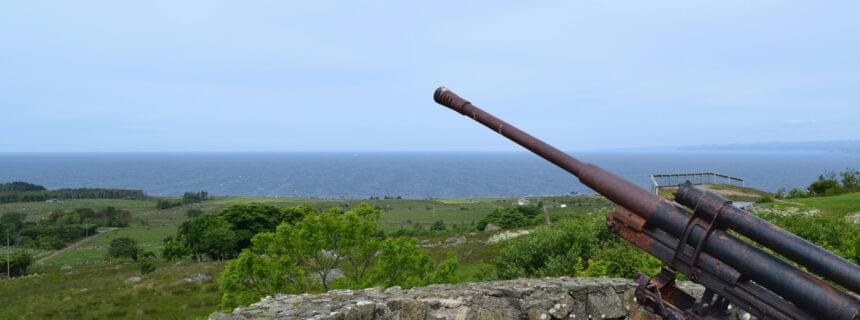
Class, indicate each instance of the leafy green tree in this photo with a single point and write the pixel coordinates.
(208, 235)
(250, 219)
(12, 221)
(174, 249)
(123, 247)
(402, 263)
(304, 257)
(850, 178)
(825, 183)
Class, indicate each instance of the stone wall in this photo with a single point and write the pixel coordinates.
(548, 298)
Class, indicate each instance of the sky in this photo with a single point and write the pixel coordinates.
(104, 76)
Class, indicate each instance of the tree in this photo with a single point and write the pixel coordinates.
(174, 249)
(123, 247)
(12, 220)
(208, 235)
(850, 178)
(824, 185)
(17, 263)
(304, 256)
(250, 219)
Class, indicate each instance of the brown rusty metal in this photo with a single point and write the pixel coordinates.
(629, 218)
(816, 259)
(766, 279)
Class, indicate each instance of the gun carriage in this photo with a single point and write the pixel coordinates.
(692, 236)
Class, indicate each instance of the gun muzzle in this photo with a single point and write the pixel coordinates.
(451, 100)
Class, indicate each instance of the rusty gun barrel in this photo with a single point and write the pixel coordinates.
(818, 260)
(812, 295)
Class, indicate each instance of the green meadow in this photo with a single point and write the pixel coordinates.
(81, 282)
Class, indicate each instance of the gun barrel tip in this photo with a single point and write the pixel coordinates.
(437, 95)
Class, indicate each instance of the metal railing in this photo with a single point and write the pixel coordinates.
(664, 180)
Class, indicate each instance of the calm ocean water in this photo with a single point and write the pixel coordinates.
(413, 175)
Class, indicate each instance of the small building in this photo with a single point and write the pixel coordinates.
(523, 201)
(563, 205)
(53, 201)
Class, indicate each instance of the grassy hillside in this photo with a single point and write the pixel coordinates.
(78, 282)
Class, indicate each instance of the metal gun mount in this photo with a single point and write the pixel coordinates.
(696, 242)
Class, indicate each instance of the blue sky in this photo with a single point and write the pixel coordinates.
(337, 76)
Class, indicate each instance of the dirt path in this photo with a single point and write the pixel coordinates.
(73, 245)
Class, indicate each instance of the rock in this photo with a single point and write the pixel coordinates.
(66, 268)
(605, 304)
(132, 280)
(491, 227)
(333, 274)
(85, 290)
(455, 241)
(200, 277)
(539, 299)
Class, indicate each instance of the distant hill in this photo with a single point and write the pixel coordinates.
(846, 146)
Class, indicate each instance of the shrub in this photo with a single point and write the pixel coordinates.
(147, 262)
(123, 247)
(438, 226)
(578, 246)
(18, 263)
(512, 217)
(163, 204)
(302, 257)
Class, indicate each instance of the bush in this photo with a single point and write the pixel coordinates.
(765, 199)
(123, 247)
(512, 217)
(147, 262)
(823, 186)
(18, 263)
(438, 226)
(302, 257)
(577, 246)
(163, 204)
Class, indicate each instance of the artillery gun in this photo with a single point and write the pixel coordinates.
(698, 235)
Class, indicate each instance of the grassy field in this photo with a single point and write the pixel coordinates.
(842, 204)
(78, 282)
(100, 291)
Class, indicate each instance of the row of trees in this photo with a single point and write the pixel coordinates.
(23, 192)
(20, 186)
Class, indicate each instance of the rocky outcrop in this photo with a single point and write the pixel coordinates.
(543, 299)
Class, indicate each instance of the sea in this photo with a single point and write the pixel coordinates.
(359, 175)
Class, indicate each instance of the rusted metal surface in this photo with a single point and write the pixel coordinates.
(816, 259)
(694, 244)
